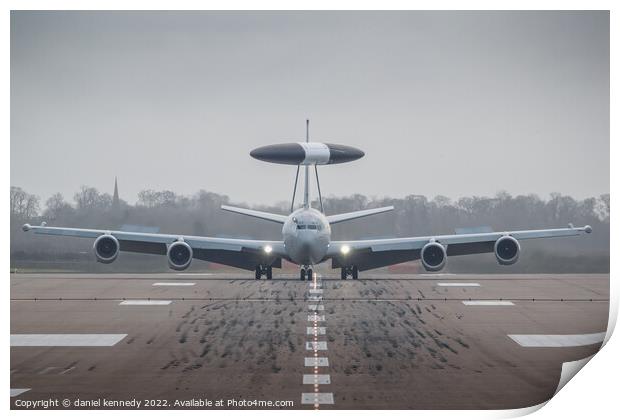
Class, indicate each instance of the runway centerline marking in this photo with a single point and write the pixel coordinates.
(557, 340)
(319, 330)
(488, 303)
(65, 340)
(316, 379)
(316, 345)
(316, 398)
(145, 302)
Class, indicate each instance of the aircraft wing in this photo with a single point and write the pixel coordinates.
(337, 218)
(240, 253)
(272, 217)
(375, 253)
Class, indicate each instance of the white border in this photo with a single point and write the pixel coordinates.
(592, 395)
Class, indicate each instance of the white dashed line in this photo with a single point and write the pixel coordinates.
(543, 340)
(316, 361)
(145, 302)
(316, 345)
(317, 379)
(317, 398)
(488, 303)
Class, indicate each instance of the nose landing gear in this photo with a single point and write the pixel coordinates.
(263, 270)
(350, 270)
(305, 271)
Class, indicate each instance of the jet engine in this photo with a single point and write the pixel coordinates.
(433, 256)
(179, 255)
(106, 248)
(507, 250)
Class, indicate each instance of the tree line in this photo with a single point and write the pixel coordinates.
(414, 215)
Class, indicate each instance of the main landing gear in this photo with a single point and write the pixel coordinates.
(262, 270)
(305, 271)
(348, 271)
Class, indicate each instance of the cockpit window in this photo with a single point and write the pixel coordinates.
(301, 226)
(313, 227)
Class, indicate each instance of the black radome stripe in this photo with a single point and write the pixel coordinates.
(285, 153)
(341, 154)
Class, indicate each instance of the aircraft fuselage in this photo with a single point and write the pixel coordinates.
(306, 235)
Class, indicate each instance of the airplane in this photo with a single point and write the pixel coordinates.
(306, 232)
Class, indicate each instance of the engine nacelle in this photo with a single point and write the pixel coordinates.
(507, 250)
(106, 248)
(433, 256)
(179, 255)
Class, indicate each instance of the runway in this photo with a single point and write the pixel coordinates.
(384, 342)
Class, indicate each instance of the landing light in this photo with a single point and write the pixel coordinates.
(345, 249)
(268, 249)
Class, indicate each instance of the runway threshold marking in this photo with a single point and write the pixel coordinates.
(488, 303)
(557, 340)
(173, 284)
(145, 302)
(65, 340)
(316, 398)
(458, 284)
(18, 391)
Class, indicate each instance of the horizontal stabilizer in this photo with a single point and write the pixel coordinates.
(272, 217)
(337, 218)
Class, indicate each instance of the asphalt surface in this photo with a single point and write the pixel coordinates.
(389, 341)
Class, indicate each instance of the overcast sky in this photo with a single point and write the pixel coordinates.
(443, 103)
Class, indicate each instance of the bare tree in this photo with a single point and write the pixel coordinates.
(56, 206)
(23, 205)
(88, 198)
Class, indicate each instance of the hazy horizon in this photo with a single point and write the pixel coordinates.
(443, 103)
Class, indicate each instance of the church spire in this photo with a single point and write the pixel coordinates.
(115, 199)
